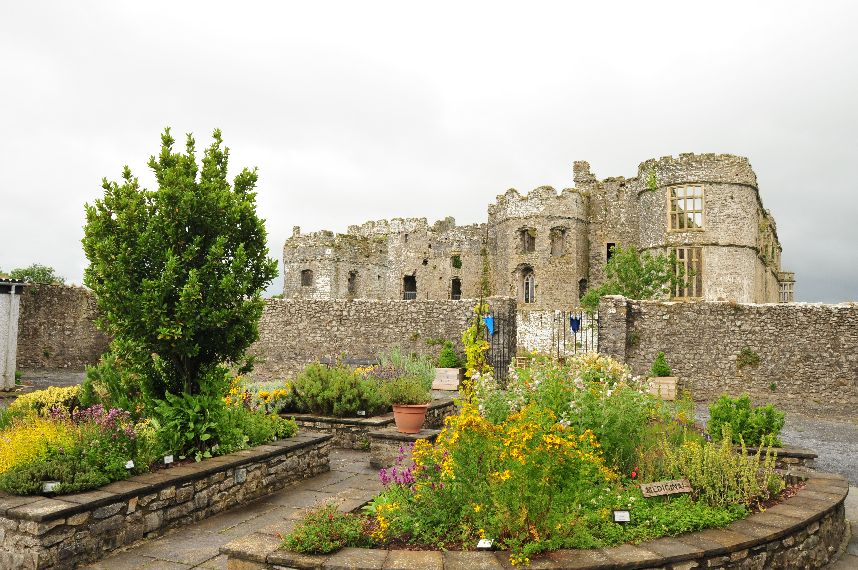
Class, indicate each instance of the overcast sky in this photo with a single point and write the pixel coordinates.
(367, 110)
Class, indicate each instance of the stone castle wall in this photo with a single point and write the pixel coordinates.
(294, 333)
(56, 328)
(570, 235)
(808, 353)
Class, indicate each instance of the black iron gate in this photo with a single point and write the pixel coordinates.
(574, 332)
(501, 345)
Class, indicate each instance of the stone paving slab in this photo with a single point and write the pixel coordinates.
(198, 546)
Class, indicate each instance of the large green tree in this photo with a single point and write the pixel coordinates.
(178, 271)
(636, 275)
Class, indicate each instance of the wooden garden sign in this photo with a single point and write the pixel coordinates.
(659, 488)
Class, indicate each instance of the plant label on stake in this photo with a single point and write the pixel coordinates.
(622, 516)
(129, 464)
(361, 412)
(485, 544)
(168, 459)
(50, 486)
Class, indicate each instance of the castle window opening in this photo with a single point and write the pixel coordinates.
(609, 251)
(689, 263)
(558, 241)
(456, 261)
(686, 207)
(307, 278)
(528, 240)
(409, 287)
(352, 283)
(528, 286)
(787, 291)
(456, 289)
(582, 288)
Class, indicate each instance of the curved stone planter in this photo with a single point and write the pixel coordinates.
(38, 532)
(353, 433)
(804, 531)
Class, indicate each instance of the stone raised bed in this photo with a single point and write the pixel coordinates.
(39, 532)
(804, 531)
(353, 433)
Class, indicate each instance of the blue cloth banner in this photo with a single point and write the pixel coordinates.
(490, 324)
(574, 324)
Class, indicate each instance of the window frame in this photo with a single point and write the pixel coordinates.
(528, 290)
(687, 266)
(671, 213)
(526, 239)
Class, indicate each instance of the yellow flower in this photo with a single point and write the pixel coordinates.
(476, 507)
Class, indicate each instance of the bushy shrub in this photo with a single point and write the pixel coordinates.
(325, 530)
(407, 364)
(405, 390)
(448, 357)
(753, 425)
(722, 477)
(337, 391)
(660, 368)
(41, 402)
(112, 383)
(96, 445)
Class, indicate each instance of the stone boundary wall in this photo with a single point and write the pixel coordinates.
(40, 533)
(353, 433)
(804, 531)
(294, 333)
(56, 328)
(808, 353)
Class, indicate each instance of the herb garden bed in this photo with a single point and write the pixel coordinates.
(39, 532)
(802, 531)
(353, 433)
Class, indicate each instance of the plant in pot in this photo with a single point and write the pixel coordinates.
(449, 372)
(410, 396)
(662, 382)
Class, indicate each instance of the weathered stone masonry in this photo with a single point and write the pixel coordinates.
(808, 353)
(56, 328)
(547, 247)
(39, 533)
(294, 333)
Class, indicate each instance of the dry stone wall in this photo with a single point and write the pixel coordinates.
(808, 353)
(294, 333)
(56, 328)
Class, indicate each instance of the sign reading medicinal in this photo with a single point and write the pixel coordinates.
(659, 488)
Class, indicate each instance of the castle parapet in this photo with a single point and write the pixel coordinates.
(690, 167)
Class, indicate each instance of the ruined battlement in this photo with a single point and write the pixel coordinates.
(392, 226)
(541, 201)
(548, 246)
(690, 167)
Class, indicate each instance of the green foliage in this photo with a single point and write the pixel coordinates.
(408, 364)
(660, 367)
(325, 530)
(189, 425)
(41, 402)
(99, 442)
(635, 275)
(651, 182)
(747, 357)
(257, 428)
(720, 476)
(36, 273)
(178, 271)
(476, 345)
(448, 357)
(456, 261)
(406, 390)
(337, 391)
(112, 382)
(753, 425)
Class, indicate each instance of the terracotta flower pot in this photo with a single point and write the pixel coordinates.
(409, 417)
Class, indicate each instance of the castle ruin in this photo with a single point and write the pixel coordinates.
(546, 248)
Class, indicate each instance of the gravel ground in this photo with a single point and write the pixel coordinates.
(836, 442)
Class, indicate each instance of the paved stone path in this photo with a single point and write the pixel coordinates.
(351, 482)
